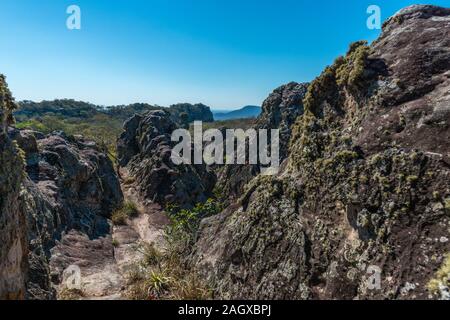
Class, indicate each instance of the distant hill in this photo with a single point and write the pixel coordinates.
(243, 113)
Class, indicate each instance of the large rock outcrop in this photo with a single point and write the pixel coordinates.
(362, 209)
(145, 148)
(71, 185)
(49, 186)
(13, 228)
(279, 111)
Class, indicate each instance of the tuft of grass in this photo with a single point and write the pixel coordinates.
(128, 210)
(190, 288)
(158, 282)
(152, 257)
(115, 243)
(119, 218)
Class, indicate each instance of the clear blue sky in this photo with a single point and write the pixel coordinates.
(224, 53)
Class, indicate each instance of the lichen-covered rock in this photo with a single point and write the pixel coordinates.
(70, 185)
(145, 149)
(362, 209)
(280, 110)
(13, 227)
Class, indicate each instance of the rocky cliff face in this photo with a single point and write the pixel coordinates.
(362, 208)
(71, 185)
(145, 147)
(13, 228)
(49, 185)
(279, 111)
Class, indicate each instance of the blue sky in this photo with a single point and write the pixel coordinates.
(224, 53)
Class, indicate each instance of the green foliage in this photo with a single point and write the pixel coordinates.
(447, 204)
(351, 71)
(65, 108)
(187, 221)
(158, 281)
(100, 128)
(33, 125)
(100, 124)
(412, 179)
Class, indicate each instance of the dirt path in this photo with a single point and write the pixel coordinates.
(105, 262)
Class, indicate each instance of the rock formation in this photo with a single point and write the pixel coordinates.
(365, 194)
(71, 185)
(279, 111)
(359, 210)
(49, 185)
(145, 149)
(13, 229)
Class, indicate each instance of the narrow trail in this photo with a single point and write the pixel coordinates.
(105, 262)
